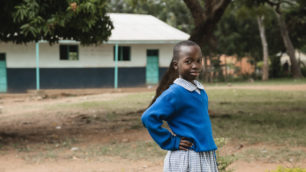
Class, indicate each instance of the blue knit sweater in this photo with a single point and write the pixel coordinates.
(186, 113)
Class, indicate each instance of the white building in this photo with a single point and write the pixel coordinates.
(300, 57)
(145, 49)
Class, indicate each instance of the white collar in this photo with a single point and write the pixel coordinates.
(188, 85)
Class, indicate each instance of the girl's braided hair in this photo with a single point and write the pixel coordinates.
(171, 74)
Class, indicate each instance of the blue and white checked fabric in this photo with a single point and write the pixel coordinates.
(190, 161)
(189, 86)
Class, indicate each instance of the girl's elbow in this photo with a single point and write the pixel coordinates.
(148, 121)
(144, 119)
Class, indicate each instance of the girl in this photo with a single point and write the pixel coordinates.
(183, 103)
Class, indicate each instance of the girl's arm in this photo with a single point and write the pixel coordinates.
(153, 118)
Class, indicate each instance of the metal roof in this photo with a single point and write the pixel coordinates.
(144, 29)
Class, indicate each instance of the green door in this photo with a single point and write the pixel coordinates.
(3, 84)
(152, 68)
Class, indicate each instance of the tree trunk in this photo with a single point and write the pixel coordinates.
(265, 68)
(295, 68)
(205, 20)
(205, 71)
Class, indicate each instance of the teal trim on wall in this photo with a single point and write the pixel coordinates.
(3, 75)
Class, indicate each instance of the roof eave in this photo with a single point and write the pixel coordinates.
(142, 41)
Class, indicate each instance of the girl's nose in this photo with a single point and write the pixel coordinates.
(194, 65)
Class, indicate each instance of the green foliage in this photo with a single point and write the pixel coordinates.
(282, 169)
(275, 71)
(294, 13)
(34, 20)
(303, 70)
(296, 22)
(238, 33)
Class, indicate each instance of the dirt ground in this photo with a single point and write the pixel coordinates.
(22, 122)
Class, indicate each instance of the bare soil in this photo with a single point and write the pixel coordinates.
(26, 125)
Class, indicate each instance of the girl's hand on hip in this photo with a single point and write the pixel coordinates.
(185, 144)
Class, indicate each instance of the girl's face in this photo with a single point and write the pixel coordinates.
(189, 64)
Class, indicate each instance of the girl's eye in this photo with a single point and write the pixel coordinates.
(188, 61)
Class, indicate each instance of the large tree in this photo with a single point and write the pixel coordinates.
(33, 20)
(261, 14)
(262, 31)
(206, 14)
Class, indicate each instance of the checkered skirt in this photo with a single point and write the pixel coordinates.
(190, 161)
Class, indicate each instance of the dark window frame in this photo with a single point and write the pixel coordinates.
(2, 56)
(124, 53)
(66, 49)
(153, 52)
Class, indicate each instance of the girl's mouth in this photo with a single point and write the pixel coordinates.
(195, 73)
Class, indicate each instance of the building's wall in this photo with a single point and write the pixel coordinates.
(21, 79)
(94, 69)
(231, 66)
(23, 56)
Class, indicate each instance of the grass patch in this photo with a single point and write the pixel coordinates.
(132, 150)
(273, 155)
(282, 81)
(252, 116)
(283, 169)
(259, 116)
(41, 156)
(39, 152)
(276, 118)
(122, 104)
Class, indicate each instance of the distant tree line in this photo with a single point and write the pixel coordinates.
(261, 29)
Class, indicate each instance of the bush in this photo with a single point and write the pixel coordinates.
(275, 69)
(303, 70)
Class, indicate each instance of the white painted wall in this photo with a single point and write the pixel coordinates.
(23, 56)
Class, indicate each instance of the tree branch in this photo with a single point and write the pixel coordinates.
(220, 7)
(208, 6)
(288, 2)
(196, 10)
(276, 5)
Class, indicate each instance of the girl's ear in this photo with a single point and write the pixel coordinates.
(175, 65)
